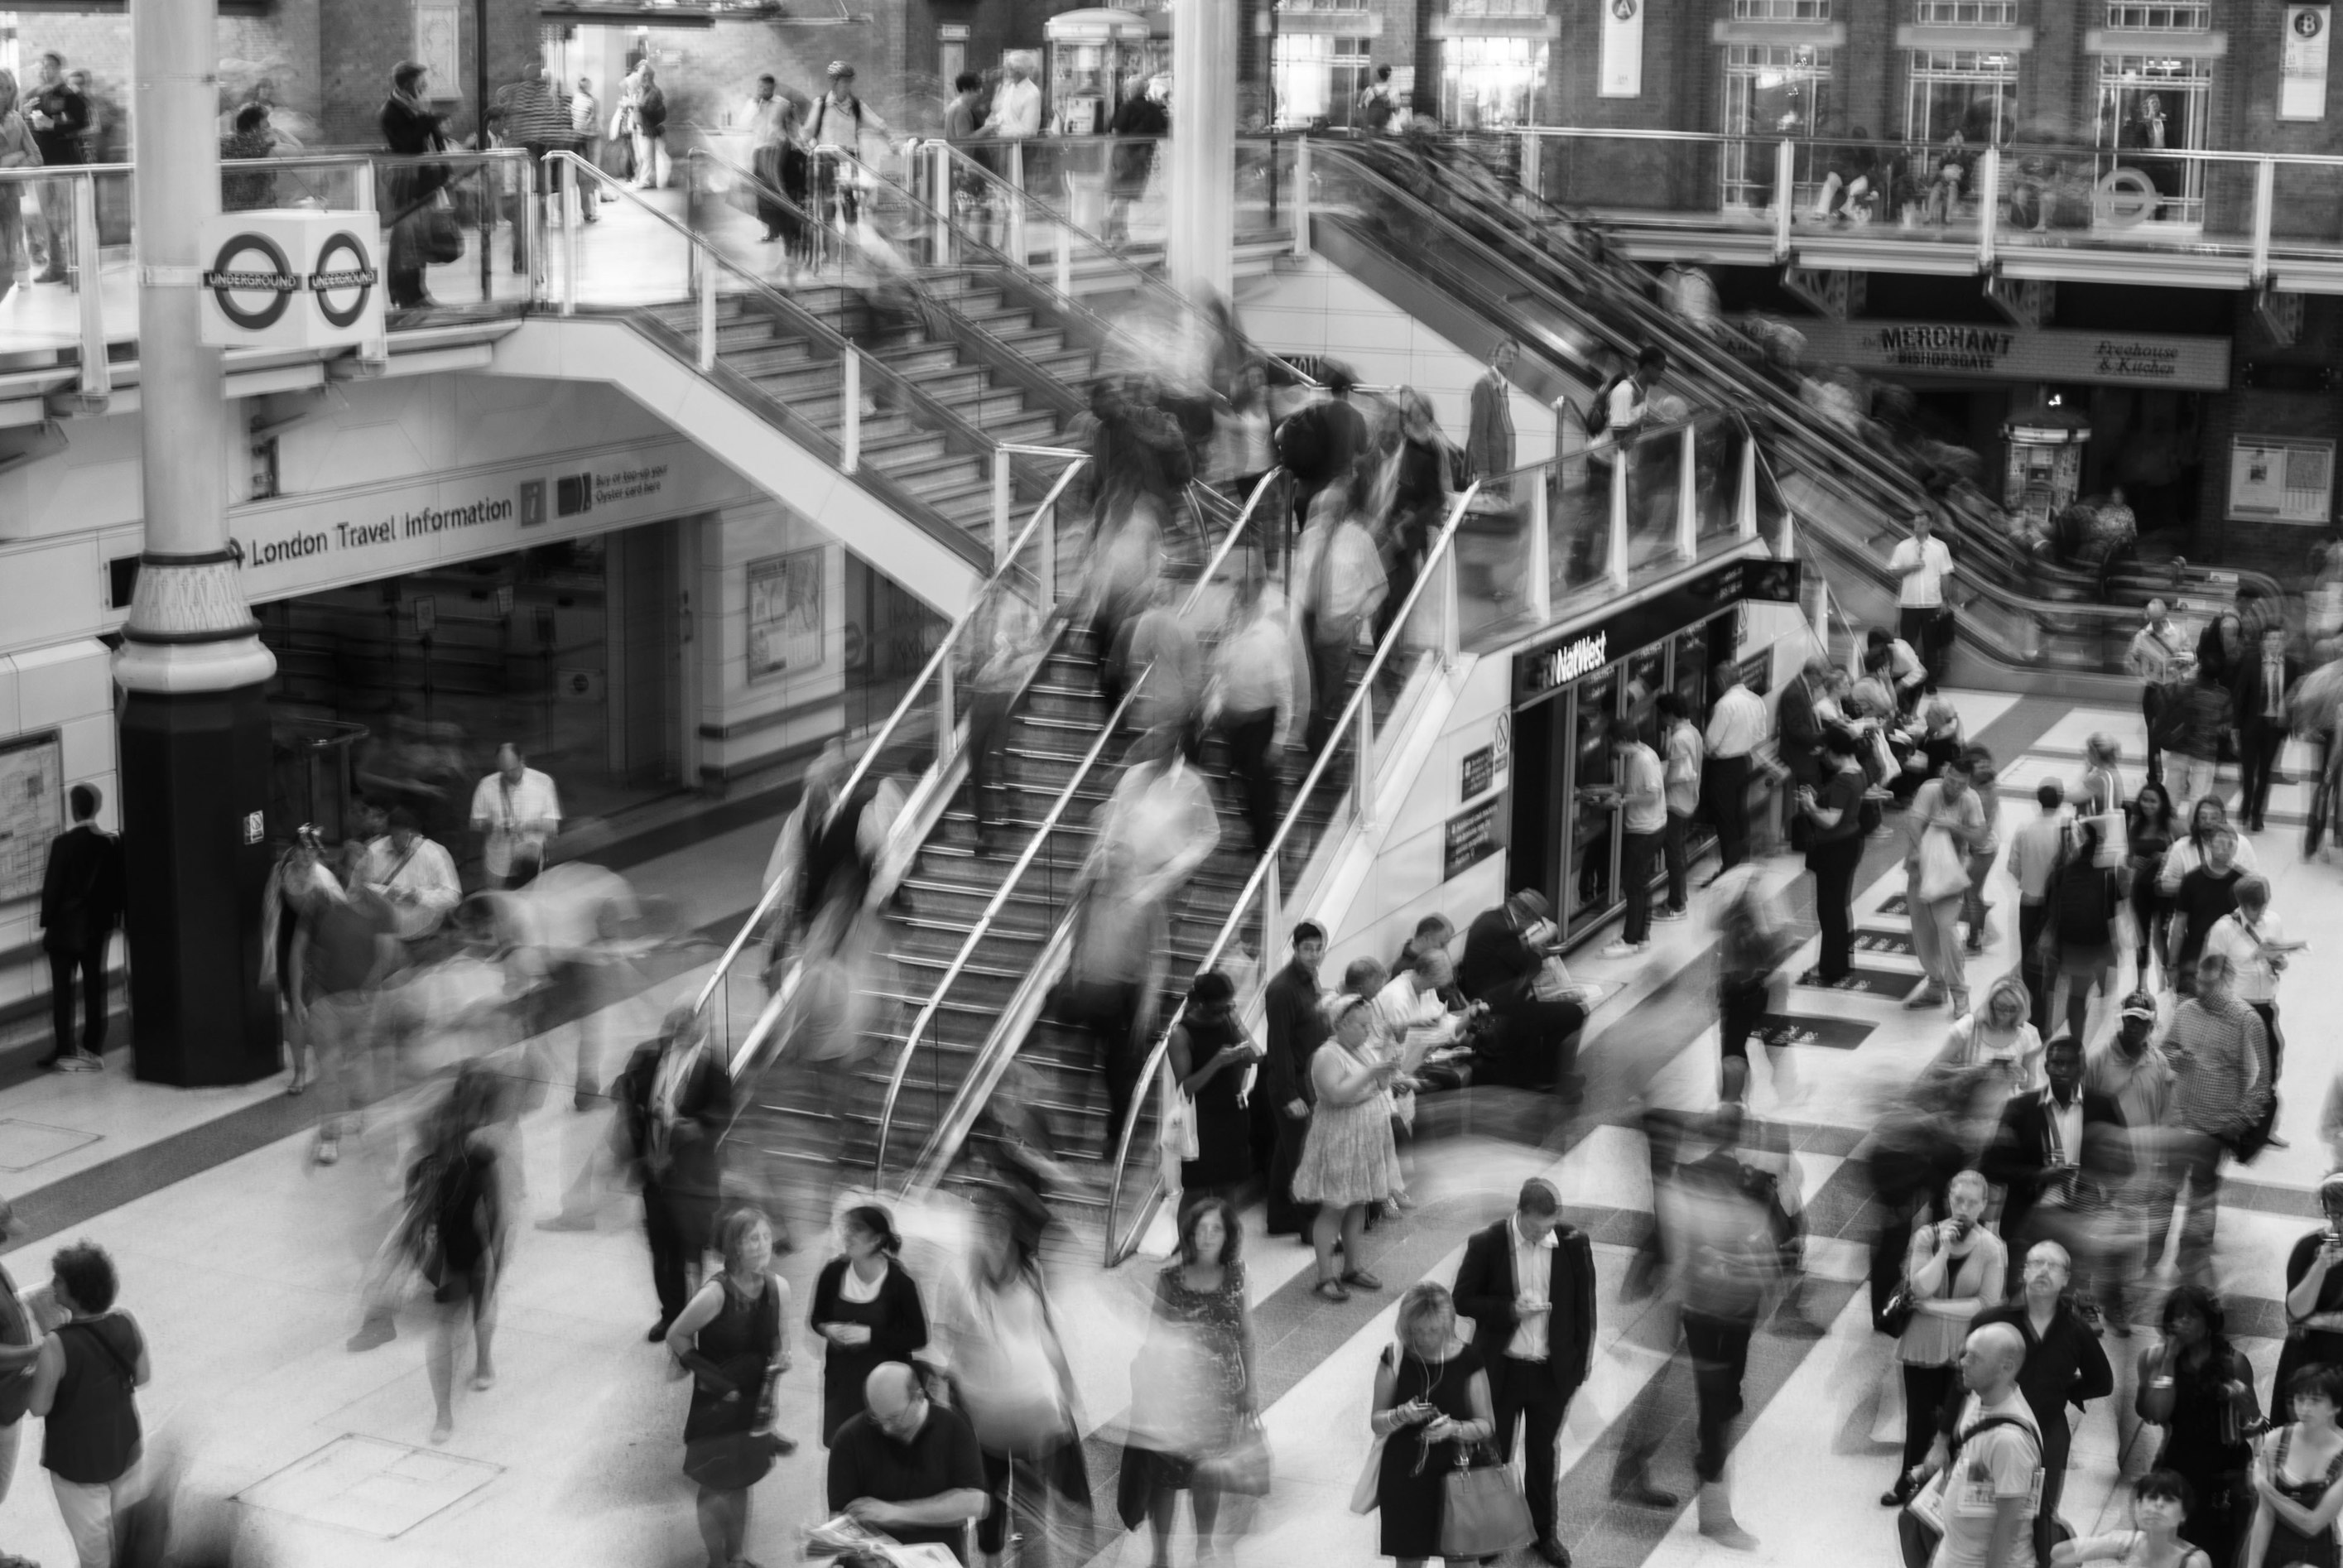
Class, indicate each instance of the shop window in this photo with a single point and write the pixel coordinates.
(1318, 78)
(1966, 13)
(1781, 10)
(1971, 91)
(1771, 91)
(2149, 104)
(1488, 83)
(1509, 8)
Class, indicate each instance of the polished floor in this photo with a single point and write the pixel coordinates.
(242, 1262)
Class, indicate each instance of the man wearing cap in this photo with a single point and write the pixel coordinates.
(2132, 1070)
(1297, 1028)
(2158, 658)
(1528, 1284)
(1505, 965)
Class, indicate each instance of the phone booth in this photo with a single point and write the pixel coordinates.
(2046, 461)
(1097, 56)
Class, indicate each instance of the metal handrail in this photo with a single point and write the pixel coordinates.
(1902, 143)
(1057, 807)
(1050, 215)
(1116, 1251)
(944, 647)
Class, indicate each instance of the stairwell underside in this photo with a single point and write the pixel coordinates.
(609, 349)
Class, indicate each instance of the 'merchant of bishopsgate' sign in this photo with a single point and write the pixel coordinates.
(2020, 354)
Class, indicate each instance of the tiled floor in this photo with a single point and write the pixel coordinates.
(245, 1275)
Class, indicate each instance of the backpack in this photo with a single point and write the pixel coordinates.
(1302, 445)
(2082, 912)
(1598, 416)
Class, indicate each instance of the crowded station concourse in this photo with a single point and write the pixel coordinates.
(1068, 799)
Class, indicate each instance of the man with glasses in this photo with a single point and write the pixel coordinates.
(907, 1467)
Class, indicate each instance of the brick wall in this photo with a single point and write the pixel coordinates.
(282, 46)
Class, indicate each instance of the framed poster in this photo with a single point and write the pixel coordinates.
(1620, 69)
(32, 810)
(784, 615)
(2281, 479)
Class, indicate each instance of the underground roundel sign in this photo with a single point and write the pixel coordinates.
(253, 280)
(290, 278)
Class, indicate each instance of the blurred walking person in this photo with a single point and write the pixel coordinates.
(1004, 644)
(1342, 583)
(1009, 1376)
(1210, 1054)
(1419, 508)
(676, 1097)
(83, 895)
(456, 1188)
(831, 846)
(354, 948)
(2084, 899)
(2132, 1070)
(1681, 746)
(1193, 1397)
(1834, 811)
(1252, 693)
(1752, 940)
(2221, 1095)
(1164, 667)
(732, 1338)
(84, 1389)
(1944, 823)
(867, 1310)
(1126, 563)
(2253, 940)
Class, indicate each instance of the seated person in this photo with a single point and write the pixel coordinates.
(1433, 933)
(1537, 1013)
(907, 1467)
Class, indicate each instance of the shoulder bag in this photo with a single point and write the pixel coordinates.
(1243, 1468)
(1944, 870)
(1482, 1511)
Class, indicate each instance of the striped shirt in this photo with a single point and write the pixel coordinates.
(2222, 1059)
(538, 114)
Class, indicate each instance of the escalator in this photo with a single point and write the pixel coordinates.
(1450, 248)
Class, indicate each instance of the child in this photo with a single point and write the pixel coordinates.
(2158, 1503)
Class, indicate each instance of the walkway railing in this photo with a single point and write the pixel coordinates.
(1052, 817)
(1258, 909)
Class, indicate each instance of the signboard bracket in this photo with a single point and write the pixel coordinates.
(1833, 292)
(2026, 301)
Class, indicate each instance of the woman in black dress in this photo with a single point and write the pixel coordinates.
(2314, 1297)
(2200, 1390)
(1210, 1052)
(869, 1309)
(411, 128)
(728, 1337)
(1432, 1404)
(455, 1198)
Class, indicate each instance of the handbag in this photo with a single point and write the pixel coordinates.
(1482, 1511)
(1243, 1468)
(441, 236)
(1944, 870)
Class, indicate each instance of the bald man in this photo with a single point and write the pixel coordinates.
(907, 1467)
(2062, 1363)
(1990, 1502)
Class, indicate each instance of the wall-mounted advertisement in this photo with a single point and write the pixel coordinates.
(2302, 63)
(2281, 479)
(784, 615)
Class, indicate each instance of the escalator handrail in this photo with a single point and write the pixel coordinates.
(1688, 347)
(1057, 807)
(1116, 1251)
(1147, 280)
(878, 743)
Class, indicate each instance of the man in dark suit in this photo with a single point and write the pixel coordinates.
(2054, 1147)
(2258, 698)
(1798, 730)
(1296, 1027)
(677, 1096)
(81, 904)
(1536, 1041)
(1528, 1284)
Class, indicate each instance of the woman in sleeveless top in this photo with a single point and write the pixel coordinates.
(2297, 1478)
(2159, 1502)
(1349, 1158)
(1210, 1052)
(728, 1338)
(1193, 1393)
(1432, 1408)
(1954, 1270)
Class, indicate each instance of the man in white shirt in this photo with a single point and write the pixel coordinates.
(1643, 825)
(2253, 939)
(1685, 751)
(1737, 726)
(516, 811)
(1923, 618)
(415, 875)
(1253, 681)
(1991, 1498)
(1016, 104)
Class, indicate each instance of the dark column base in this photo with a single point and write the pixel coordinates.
(194, 770)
